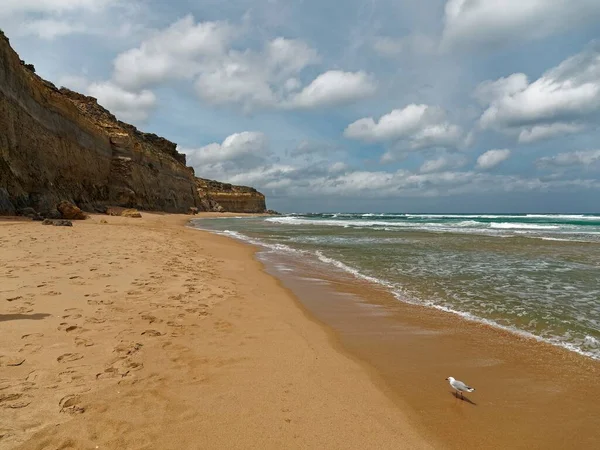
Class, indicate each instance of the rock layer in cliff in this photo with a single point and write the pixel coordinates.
(217, 196)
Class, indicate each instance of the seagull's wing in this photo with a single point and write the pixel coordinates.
(461, 386)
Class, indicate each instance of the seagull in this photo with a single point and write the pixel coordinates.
(459, 386)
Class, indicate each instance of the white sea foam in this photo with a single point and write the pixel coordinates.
(527, 226)
(563, 216)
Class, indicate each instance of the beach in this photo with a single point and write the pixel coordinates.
(142, 333)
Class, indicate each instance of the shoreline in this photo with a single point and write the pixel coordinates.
(335, 266)
(147, 334)
(530, 393)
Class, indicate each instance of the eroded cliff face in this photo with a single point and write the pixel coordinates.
(217, 196)
(56, 144)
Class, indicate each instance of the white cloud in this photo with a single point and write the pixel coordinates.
(244, 158)
(442, 163)
(227, 74)
(477, 22)
(567, 92)
(541, 132)
(126, 105)
(176, 52)
(338, 167)
(51, 6)
(245, 149)
(334, 88)
(491, 91)
(492, 158)
(422, 126)
(578, 158)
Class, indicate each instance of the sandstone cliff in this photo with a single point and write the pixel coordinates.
(56, 144)
(216, 196)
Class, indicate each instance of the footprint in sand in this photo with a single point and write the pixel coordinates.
(21, 310)
(69, 328)
(95, 320)
(11, 361)
(32, 336)
(82, 342)
(52, 293)
(153, 333)
(30, 348)
(100, 302)
(72, 316)
(69, 357)
(13, 401)
(150, 318)
(71, 405)
(120, 368)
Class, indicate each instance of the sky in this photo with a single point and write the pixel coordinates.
(361, 105)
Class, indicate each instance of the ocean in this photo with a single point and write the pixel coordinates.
(537, 275)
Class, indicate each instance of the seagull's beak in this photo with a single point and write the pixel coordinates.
(446, 379)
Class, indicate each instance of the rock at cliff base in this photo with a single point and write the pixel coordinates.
(193, 211)
(131, 213)
(103, 221)
(53, 214)
(69, 211)
(28, 212)
(62, 223)
(47, 222)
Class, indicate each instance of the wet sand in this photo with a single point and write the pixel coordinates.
(141, 333)
(528, 394)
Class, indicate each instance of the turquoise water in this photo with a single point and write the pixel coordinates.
(537, 275)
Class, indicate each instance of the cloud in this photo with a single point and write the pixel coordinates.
(334, 88)
(239, 150)
(174, 53)
(422, 126)
(126, 105)
(578, 158)
(338, 167)
(541, 132)
(244, 158)
(481, 22)
(10, 7)
(443, 163)
(568, 92)
(492, 158)
(251, 79)
(491, 91)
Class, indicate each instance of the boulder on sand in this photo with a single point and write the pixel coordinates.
(69, 211)
(58, 223)
(131, 213)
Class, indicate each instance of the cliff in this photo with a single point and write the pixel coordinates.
(56, 144)
(217, 196)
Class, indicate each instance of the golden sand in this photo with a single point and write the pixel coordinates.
(143, 334)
